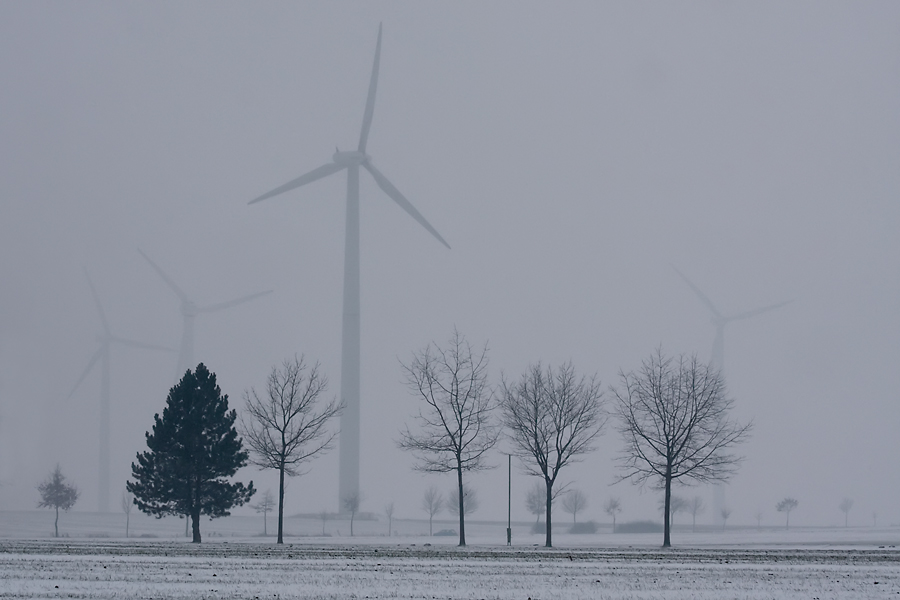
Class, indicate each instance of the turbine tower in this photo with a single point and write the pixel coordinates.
(719, 321)
(189, 312)
(350, 345)
(105, 339)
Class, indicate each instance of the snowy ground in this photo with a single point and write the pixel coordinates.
(94, 563)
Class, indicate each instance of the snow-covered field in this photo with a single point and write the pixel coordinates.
(827, 563)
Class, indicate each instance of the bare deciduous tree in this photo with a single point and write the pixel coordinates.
(574, 501)
(57, 494)
(613, 507)
(674, 417)
(389, 513)
(845, 506)
(265, 506)
(433, 503)
(725, 513)
(470, 504)
(127, 505)
(759, 516)
(455, 425)
(286, 427)
(351, 504)
(696, 506)
(677, 505)
(552, 418)
(324, 516)
(786, 506)
(536, 500)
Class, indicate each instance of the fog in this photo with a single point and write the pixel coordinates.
(569, 155)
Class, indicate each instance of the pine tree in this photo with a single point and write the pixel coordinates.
(194, 447)
(57, 494)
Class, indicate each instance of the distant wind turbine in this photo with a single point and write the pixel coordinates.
(106, 340)
(350, 346)
(717, 360)
(719, 320)
(189, 312)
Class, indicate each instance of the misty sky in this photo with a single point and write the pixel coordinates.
(569, 155)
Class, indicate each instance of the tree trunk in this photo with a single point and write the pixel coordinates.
(462, 511)
(195, 525)
(549, 539)
(127, 519)
(352, 514)
(265, 523)
(281, 504)
(666, 520)
(56, 524)
(430, 530)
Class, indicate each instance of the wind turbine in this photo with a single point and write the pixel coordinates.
(106, 339)
(719, 321)
(350, 345)
(189, 312)
(717, 360)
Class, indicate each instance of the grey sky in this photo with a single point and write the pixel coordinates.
(567, 154)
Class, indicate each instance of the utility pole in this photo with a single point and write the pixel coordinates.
(509, 506)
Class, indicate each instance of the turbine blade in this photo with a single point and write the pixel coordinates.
(323, 171)
(697, 291)
(135, 344)
(230, 303)
(405, 204)
(87, 370)
(370, 99)
(97, 303)
(758, 311)
(178, 291)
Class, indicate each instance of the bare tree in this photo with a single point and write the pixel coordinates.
(351, 504)
(725, 513)
(389, 513)
(456, 429)
(286, 428)
(786, 506)
(574, 501)
(696, 506)
(265, 506)
(845, 506)
(613, 507)
(677, 504)
(536, 500)
(127, 505)
(470, 504)
(433, 503)
(552, 418)
(324, 516)
(674, 419)
(57, 494)
(759, 516)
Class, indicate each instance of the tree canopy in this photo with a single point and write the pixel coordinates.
(192, 450)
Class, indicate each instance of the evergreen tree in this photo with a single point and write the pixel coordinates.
(57, 494)
(194, 447)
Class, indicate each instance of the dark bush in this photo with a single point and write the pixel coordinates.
(589, 527)
(639, 527)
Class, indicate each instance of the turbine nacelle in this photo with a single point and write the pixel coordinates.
(350, 157)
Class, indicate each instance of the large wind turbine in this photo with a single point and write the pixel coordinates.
(350, 346)
(719, 321)
(717, 360)
(105, 339)
(189, 312)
